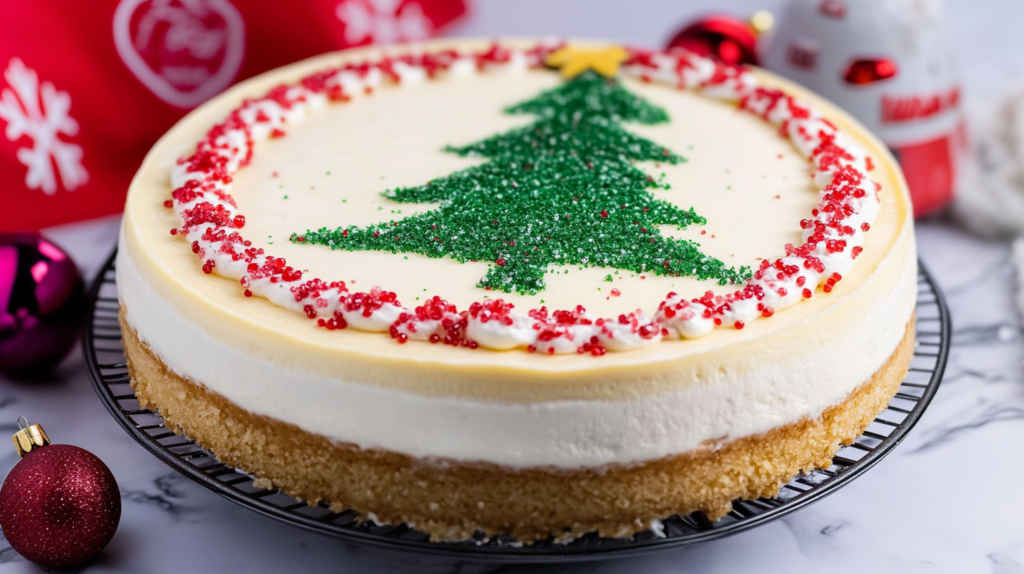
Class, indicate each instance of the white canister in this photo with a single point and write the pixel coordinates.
(887, 63)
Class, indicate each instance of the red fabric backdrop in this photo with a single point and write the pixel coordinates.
(86, 87)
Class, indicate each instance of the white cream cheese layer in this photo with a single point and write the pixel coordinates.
(561, 433)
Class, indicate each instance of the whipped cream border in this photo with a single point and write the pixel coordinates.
(833, 235)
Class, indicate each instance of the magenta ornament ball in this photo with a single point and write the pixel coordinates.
(42, 301)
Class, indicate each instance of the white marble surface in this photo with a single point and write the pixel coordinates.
(946, 500)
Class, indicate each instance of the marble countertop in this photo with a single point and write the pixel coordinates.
(945, 500)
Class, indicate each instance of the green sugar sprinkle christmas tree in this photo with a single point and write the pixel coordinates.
(561, 191)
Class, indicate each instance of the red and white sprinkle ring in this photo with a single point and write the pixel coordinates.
(832, 235)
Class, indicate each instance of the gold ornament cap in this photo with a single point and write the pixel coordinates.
(762, 21)
(29, 438)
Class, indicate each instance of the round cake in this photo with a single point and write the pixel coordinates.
(518, 287)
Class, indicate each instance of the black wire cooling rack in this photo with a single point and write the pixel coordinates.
(106, 363)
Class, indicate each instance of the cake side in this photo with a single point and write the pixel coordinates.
(747, 388)
(453, 499)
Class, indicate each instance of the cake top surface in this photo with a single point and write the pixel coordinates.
(713, 193)
(749, 190)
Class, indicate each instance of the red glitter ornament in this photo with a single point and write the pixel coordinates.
(60, 505)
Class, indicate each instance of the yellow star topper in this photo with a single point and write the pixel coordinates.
(572, 61)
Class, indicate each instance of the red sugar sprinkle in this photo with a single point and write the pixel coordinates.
(174, 231)
(807, 293)
(604, 213)
(865, 226)
(500, 262)
(247, 293)
(239, 221)
(648, 331)
(169, 203)
(616, 292)
(739, 325)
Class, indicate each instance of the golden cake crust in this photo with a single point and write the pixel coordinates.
(452, 499)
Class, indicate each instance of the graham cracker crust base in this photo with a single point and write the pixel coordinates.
(450, 499)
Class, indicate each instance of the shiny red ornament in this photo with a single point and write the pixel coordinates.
(727, 38)
(869, 70)
(59, 506)
(41, 303)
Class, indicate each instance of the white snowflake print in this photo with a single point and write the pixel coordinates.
(41, 113)
(383, 21)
